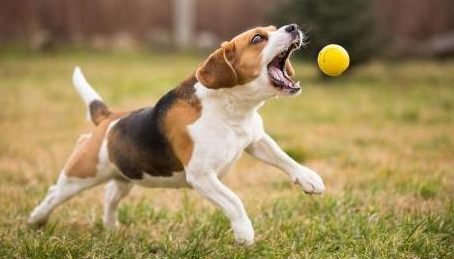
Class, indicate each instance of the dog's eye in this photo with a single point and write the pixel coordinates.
(257, 38)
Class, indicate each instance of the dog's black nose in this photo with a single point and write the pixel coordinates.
(291, 27)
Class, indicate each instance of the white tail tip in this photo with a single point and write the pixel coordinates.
(83, 87)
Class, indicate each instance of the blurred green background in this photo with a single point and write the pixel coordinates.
(367, 28)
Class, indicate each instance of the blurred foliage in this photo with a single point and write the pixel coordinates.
(347, 23)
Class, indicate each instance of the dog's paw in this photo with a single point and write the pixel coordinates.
(244, 233)
(36, 221)
(310, 181)
(111, 224)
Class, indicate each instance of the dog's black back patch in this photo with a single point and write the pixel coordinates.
(138, 144)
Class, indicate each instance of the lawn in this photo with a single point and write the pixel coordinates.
(382, 139)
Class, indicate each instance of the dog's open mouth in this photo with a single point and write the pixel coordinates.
(277, 72)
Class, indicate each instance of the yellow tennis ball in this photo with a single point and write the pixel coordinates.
(333, 60)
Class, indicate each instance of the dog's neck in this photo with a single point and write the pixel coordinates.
(233, 104)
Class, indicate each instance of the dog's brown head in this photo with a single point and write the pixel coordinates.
(256, 57)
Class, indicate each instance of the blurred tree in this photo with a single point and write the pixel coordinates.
(347, 23)
(184, 13)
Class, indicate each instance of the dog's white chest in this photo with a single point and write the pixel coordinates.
(219, 142)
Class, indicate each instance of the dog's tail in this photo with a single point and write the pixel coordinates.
(97, 111)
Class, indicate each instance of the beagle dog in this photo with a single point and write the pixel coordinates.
(194, 133)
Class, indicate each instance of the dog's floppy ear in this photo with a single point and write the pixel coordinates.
(217, 71)
(289, 68)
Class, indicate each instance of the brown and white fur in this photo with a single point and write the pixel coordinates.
(193, 135)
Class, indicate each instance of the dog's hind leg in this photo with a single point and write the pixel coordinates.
(115, 191)
(87, 166)
(65, 188)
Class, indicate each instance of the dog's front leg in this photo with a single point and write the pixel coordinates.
(266, 150)
(209, 186)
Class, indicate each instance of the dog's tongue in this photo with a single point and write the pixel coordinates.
(279, 74)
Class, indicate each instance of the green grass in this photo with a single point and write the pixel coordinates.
(381, 137)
